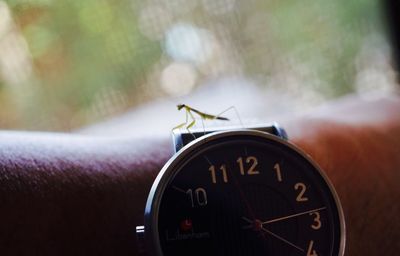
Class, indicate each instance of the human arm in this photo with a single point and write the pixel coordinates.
(73, 195)
(357, 142)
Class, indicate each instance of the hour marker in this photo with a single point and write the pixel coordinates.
(277, 168)
(179, 189)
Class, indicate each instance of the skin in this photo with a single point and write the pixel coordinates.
(74, 195)
(358, 145)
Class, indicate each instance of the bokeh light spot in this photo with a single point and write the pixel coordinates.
(178, 79)
(185, 42)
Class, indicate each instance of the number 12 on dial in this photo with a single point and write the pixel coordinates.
(251, 170)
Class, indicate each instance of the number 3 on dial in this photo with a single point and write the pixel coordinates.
(317, 221)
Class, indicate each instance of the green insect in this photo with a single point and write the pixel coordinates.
(204, 116)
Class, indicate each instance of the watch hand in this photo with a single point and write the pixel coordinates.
(179, 189)
(293, 215)
(282, 239)
(260, 227)
(251, 223)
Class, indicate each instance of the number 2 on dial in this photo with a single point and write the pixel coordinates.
(302, 187)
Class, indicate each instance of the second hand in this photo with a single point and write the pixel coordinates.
(293, 215)
(274, 235)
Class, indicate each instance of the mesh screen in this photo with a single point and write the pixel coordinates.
(67, 63)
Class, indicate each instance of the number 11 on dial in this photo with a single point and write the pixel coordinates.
(213, 171)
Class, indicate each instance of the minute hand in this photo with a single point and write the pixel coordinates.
(293, 215)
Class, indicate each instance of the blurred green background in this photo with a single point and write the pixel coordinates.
(69, 63)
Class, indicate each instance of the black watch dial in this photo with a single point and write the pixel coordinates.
(246, 195)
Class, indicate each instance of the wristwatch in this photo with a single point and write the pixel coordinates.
(241, 191)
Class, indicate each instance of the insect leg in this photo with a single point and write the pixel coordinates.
(236, 112)
(182, 124)
(202, 124)
(193, 121)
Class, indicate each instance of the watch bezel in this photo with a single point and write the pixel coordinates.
(153, 246)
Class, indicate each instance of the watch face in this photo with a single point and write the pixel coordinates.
(243, 193)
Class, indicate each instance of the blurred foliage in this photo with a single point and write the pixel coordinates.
(91, 59)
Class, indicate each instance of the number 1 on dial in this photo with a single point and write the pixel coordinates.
(277, 168)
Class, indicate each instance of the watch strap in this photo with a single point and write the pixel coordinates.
(183, 136)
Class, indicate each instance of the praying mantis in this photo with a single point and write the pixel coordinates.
(204, 116)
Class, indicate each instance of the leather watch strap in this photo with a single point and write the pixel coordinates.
(183, 136)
